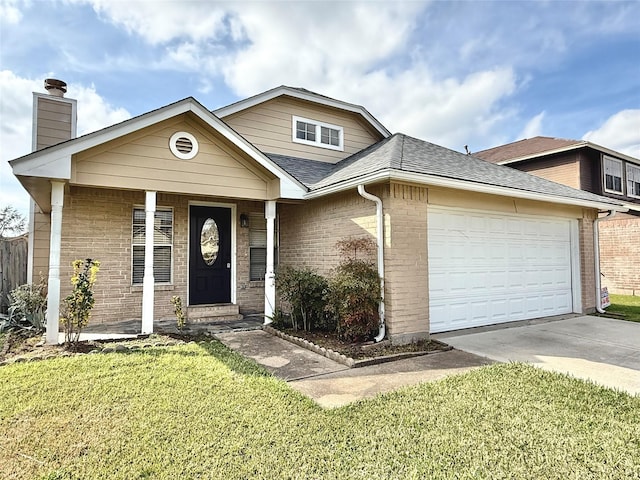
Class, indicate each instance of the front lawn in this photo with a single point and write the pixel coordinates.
(201, 411)
(628, 306)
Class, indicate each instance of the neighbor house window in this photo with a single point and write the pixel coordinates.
(633, 180)
(612, 175)
(162, 245)
(258, 247)
(319, 134)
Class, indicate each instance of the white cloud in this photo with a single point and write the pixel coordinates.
(620, 132)
(533, 128)
(10, 12)
(16, 103)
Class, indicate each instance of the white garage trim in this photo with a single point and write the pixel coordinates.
(490, 267)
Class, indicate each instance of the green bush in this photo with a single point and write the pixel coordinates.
(76, 308)
(355, 290)
(305, 291)
(27, 308)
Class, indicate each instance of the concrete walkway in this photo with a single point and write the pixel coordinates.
(332, 384)
(604, 350)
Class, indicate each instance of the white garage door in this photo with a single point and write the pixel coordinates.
(487, 268)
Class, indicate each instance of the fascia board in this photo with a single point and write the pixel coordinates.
(310, 97)
(463, 185)
(58, 167)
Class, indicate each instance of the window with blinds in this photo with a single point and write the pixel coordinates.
(162, 245)
(258, 246)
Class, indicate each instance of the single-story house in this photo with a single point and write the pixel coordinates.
(279, 178)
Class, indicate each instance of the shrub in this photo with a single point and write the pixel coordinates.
(305, 291)
(177, 309)
(76, 308)
(27, 308)
(355, 291)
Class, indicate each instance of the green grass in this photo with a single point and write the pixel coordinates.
(201, 411)
(626, 305)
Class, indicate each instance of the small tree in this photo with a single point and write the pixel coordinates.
(355, 290)
(77, 306)
(11, 221)
(181, 320)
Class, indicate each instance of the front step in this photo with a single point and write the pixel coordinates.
(220, 312)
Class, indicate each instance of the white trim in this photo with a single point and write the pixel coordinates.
(270, 276)
(301, 95)
(436, 181)
(318, 133)
(234, 208)
(174, 148)
(606, 158)
(629, 167)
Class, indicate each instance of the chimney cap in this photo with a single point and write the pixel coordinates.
(55, 87)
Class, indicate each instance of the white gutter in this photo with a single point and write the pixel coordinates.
(596, 249)
(380, 234)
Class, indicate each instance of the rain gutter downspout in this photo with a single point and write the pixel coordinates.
(380, 234)
(596, 249)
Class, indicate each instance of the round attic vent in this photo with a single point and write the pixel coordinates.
(183, 145)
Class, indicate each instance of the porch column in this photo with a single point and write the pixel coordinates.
(148, 281)
(53, 298)
(270, 276)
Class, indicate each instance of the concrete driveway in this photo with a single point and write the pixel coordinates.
(603, 350)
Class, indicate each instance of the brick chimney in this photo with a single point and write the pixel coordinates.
(54, 117)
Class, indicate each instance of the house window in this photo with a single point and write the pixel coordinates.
(612, 175)
(162, 245)
(319, 134)
(258, 247)
(633, 180)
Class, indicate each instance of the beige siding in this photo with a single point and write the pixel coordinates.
(620, 254)
(561, 170)
(53, 121)
(268, 126)
(481, 201)
(143, 160)
(97, 224)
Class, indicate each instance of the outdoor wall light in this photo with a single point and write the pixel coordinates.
(244, 220)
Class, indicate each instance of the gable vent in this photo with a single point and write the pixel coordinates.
(183, 145)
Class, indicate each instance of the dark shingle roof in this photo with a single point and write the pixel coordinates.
(401, 153)
(524, 148)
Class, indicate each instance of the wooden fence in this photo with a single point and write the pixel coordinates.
(13, 267)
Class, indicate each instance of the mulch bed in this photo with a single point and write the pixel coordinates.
(365, 350)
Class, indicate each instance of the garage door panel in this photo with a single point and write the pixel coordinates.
(501, 268)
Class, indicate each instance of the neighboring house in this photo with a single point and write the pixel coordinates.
(285, 174)
(596, 169)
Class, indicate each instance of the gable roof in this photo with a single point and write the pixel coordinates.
(405, 158)
(55, 161)
(302, 94)
(541, 146)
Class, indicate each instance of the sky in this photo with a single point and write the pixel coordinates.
(476, 73)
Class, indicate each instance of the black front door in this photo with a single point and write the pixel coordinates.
(209, 255)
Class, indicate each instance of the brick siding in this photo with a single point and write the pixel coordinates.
(97, 224)
(620, 254)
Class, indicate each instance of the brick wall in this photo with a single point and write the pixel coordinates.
(309, 231)
(620, 254)
(587, 259)
(97, 224)
(406, 263)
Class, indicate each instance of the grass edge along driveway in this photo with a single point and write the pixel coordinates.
(202, 411)
(627, 306)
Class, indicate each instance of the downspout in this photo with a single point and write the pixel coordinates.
(380, 234)
(596, 249)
